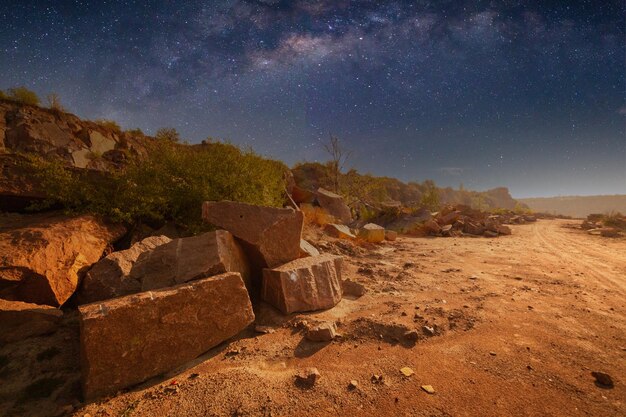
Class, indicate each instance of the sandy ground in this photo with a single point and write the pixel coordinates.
(520, 323)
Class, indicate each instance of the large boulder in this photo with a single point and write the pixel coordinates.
(306, 284)
(271, 235)
(44, 256)
(372, 233)
(431, 227)
(127, 340)
(448, 218)
(110, 277)
(20, 320)
(334, 204)
(191, 258)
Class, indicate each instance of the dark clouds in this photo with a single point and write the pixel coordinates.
(512, 93)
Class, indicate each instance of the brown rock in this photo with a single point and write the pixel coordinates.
(187, 259)
(272, 235)
(129, 339)
(322, 332)
(307, 378)
(306, 249)
(448, 218)
(334, 204)
(339, 231)
(432, 227)
(489, 233)
(20, 320)
(305, 284)
(372, 233)
(353, 288)
(300, 195)
(504, 230)
(473, 228)
(390, 235)
(44, 256)
(609, 232)
(110, 277)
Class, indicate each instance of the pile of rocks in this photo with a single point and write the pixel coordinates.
(605, 225)
(461, 220)
(162, 302)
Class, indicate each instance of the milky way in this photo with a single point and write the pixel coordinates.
(530, 95)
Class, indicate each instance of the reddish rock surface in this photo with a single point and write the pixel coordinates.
(372, 233)
(44, 256)
(339, 231)
(273, 234)
(110, 277)
(20, 320)
(305, 284)
(334, 204)
(129, 339)
(191, 258)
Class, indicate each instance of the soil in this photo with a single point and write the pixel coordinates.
(512, 326)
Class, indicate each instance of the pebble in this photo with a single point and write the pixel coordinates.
(308, 377)
(428, 388)
(353, 385)
(406, 371)
(603, 379)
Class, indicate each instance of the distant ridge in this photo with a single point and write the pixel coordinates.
(577, 206)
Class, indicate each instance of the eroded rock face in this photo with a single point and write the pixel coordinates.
(306, 284)
(20, 320)
(334, 204)
(372, 233)
(273, 234)
(127, 340)
(110, 277)
(44, 256)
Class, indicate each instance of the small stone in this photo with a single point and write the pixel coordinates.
(264, 329)
(376, 379)
(428, 388)
(323, 332)
(473, 277)
(603, 379)
(406, 371)
(403, 314)
(493, 353)
(411, 335)
(307, 377)
(194, 375)
(429, 331)
(353, 385)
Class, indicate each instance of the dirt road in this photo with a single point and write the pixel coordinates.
(519, 324)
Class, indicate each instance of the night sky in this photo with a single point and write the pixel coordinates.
(525, 94)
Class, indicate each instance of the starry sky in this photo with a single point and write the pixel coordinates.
(525, 94)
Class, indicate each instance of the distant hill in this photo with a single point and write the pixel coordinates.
(577, 206)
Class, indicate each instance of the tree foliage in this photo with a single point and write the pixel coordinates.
(170, 184)
(167, 134)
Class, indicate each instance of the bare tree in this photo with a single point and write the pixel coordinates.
(338, 159)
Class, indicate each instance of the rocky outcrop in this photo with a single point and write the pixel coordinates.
(306, 284)
(44, 256)
(111, 276)
(20, 320)
(271, 235)
(334, 205)
(127, 340)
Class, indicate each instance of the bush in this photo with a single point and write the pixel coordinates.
(430, 197)
(170, 184)
(54, 102)
(168, 134)
(109, 124)
(3, 95)
(23, 95)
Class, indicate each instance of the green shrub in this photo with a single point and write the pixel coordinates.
(23, 95)
(170, 184)
(54, 102)
(430, 196)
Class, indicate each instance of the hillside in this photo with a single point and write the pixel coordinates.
(577, 206)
